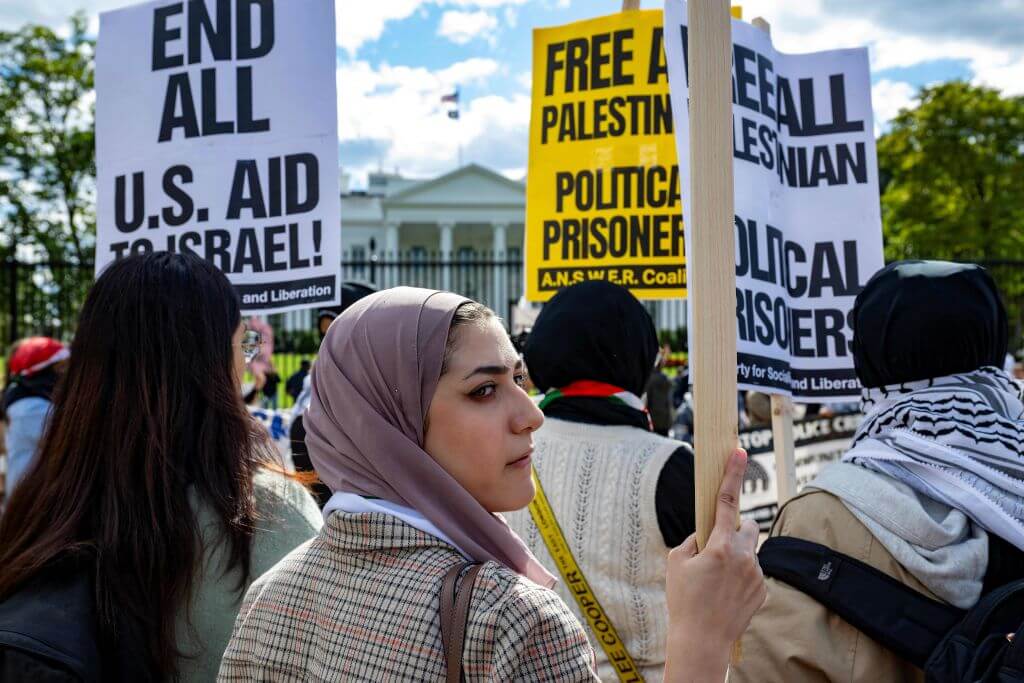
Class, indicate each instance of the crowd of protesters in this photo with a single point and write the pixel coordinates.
(152, 533)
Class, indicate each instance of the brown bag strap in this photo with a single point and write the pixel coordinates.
(455, 614)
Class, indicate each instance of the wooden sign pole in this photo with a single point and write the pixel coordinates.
(630, 4)
(782, 411)
(782, 438)
(711, 263)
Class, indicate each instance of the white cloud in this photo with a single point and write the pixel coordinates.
(887, 98)
(397, 109)
(360, 23)
(808, 26)
(462, 27)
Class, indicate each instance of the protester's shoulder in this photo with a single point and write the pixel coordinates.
(513, 601)
(30, 405)
(524, 619)
(821, 517)
(285, 509)
(289, 576)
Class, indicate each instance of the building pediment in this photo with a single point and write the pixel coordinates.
(471, 186)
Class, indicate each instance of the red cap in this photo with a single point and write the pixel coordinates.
(36, 353)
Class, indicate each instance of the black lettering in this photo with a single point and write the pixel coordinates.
(764, 79)
(763, 329)
(576, 55)
(599, 59)
(828, 325)
(163, 35)
(121, 221)
(742, 55)
(292, 203)
(272, 247)
(175, 193)
(825, 271)
(246, 123)
(622, 57)
(178, 89)
(218, 38)
(799, 332)
(552, 231)
(217, 245)
(211, 126)
(657, 66)
(847, 164)
(244, 47)
(246, 191)
(553, 64)
(247, 254)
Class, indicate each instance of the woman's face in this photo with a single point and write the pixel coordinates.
(236, 349)
(480, 423)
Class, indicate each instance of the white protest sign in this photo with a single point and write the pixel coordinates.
(216, 134)
(808, 220)
(818, 441)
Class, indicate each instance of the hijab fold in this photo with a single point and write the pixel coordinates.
(372, 385)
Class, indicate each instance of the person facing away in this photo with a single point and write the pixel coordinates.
(35, 366)
(293, 387)
(930, 492)
(419, 426)
(150, 493)
(658, 395)
(622, 494)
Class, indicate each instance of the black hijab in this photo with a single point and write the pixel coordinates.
(916, 320)
(594, 331)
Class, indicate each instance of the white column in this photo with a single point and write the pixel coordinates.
(446, 254)
(389, 272)
(500, 296)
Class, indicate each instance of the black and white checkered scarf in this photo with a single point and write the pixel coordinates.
(956, 439)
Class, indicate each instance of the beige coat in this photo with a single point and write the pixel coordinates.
(361, 602)
(793, 639)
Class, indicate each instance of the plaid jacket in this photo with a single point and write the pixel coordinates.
(361, 602)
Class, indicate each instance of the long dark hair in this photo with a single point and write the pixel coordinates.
(148, 414)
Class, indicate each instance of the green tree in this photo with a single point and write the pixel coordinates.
(47, 149)
(952, 171)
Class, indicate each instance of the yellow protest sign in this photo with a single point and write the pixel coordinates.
(603, 181)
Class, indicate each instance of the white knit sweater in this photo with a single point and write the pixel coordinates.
(601, 483)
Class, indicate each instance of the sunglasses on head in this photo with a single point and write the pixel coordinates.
(251, 343)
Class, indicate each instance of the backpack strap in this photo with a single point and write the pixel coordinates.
(894, 615)
(455, 614)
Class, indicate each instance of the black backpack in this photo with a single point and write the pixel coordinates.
(984, 644)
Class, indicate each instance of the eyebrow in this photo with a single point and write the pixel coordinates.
(494, 369)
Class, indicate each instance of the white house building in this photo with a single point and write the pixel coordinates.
(462, 231)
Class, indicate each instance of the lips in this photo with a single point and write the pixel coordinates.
(522, 461)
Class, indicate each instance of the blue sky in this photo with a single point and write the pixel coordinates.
(397, 57)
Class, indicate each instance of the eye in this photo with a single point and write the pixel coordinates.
(520, 380)
(483, 392)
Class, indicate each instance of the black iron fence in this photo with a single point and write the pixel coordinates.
(45, 297)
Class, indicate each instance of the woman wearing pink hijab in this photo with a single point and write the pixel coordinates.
(419, 426)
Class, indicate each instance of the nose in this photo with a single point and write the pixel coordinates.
(526, 416)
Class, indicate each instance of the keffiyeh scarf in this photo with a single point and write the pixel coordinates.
(956, 439)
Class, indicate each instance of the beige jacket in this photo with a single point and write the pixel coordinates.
(361, 602)
(793, 638)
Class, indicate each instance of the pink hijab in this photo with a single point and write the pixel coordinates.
(372, 385)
